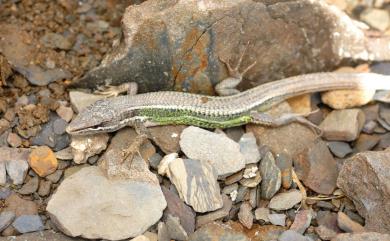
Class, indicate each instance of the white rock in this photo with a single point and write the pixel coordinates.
(222, 152)
(196, 183)
(17, 170)
(81, 100)
(84, 147)
(249, 148)
(140, 238)
(89, 205)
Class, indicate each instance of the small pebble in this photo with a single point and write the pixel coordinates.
(66, 113)
(30, 187)
(285, 200)
(277, 219)
(43, 161)
(28, 223)
(14, 140)
(339, 149)
(6, 218)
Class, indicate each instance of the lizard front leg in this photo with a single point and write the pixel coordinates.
(228, 85)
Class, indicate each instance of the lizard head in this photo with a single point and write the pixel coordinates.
(96, 118)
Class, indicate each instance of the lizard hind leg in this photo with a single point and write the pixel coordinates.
(284, 119)
(228, 86)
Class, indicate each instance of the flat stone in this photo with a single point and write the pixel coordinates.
(5, 192)
(262, 214)
(217, 232)
(272, 178)
(339, 149)
(112, 160)
(20, 206)
(66, 113)
(81, 100)
(369, 236)
(302, 221)
(366, 142)
(196, 183)
(343, 125)
(55, 177)
(249, 148)
(277, 219)
(167, 137)
(6, 219)
(162, 232)
(217, 214)
(30, 187)
(376, 18)
(291, 235)
(44, 188)
(140, 238)
(176, 231)
(285, 200)
(348, 225)
(189, 62)
(28, 223)
(327, 225)
(14, 140)
(140, 196)
(317, 168)
(251, 175)
(17, 170)
(177, 208)
(245, 215)
(49, 235)
(43, 161)
(234, 178)
(84, 147)
(52, 134)
(225, 155)
(364, 178)
(235, 133)
(284, 163)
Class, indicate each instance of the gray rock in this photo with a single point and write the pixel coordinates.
(177, 208)
(48, 136)
(5, 192)
(217, 232)
(6, 219)
(217, 149)
(262, 214)
(285, 200)
(59, 126)
(249, 148)
(44, 188)
(218, 214)
(290, 235)
(55, 177)
(343, 125)
(142, 203)
(167, 137)
(302, 221)
(245, 215)
(81, 100)
(40, 236)
(271, 175)
(196, 183)
(185, 56)
(284, 162)
(28, 223)
(317, 168)
(3, 174)
(339, 149)
(365, 179)
(154, 160)
(176, 231)
(17, 170)
(162, 233)
(30, 187)
(277, 219)
(368, 236)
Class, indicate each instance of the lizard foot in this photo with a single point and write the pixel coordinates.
(228, 85)
(268, 120)
(130, 88)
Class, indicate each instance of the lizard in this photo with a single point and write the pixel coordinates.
(231, 108)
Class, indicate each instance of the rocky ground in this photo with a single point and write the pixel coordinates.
(188, 183)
